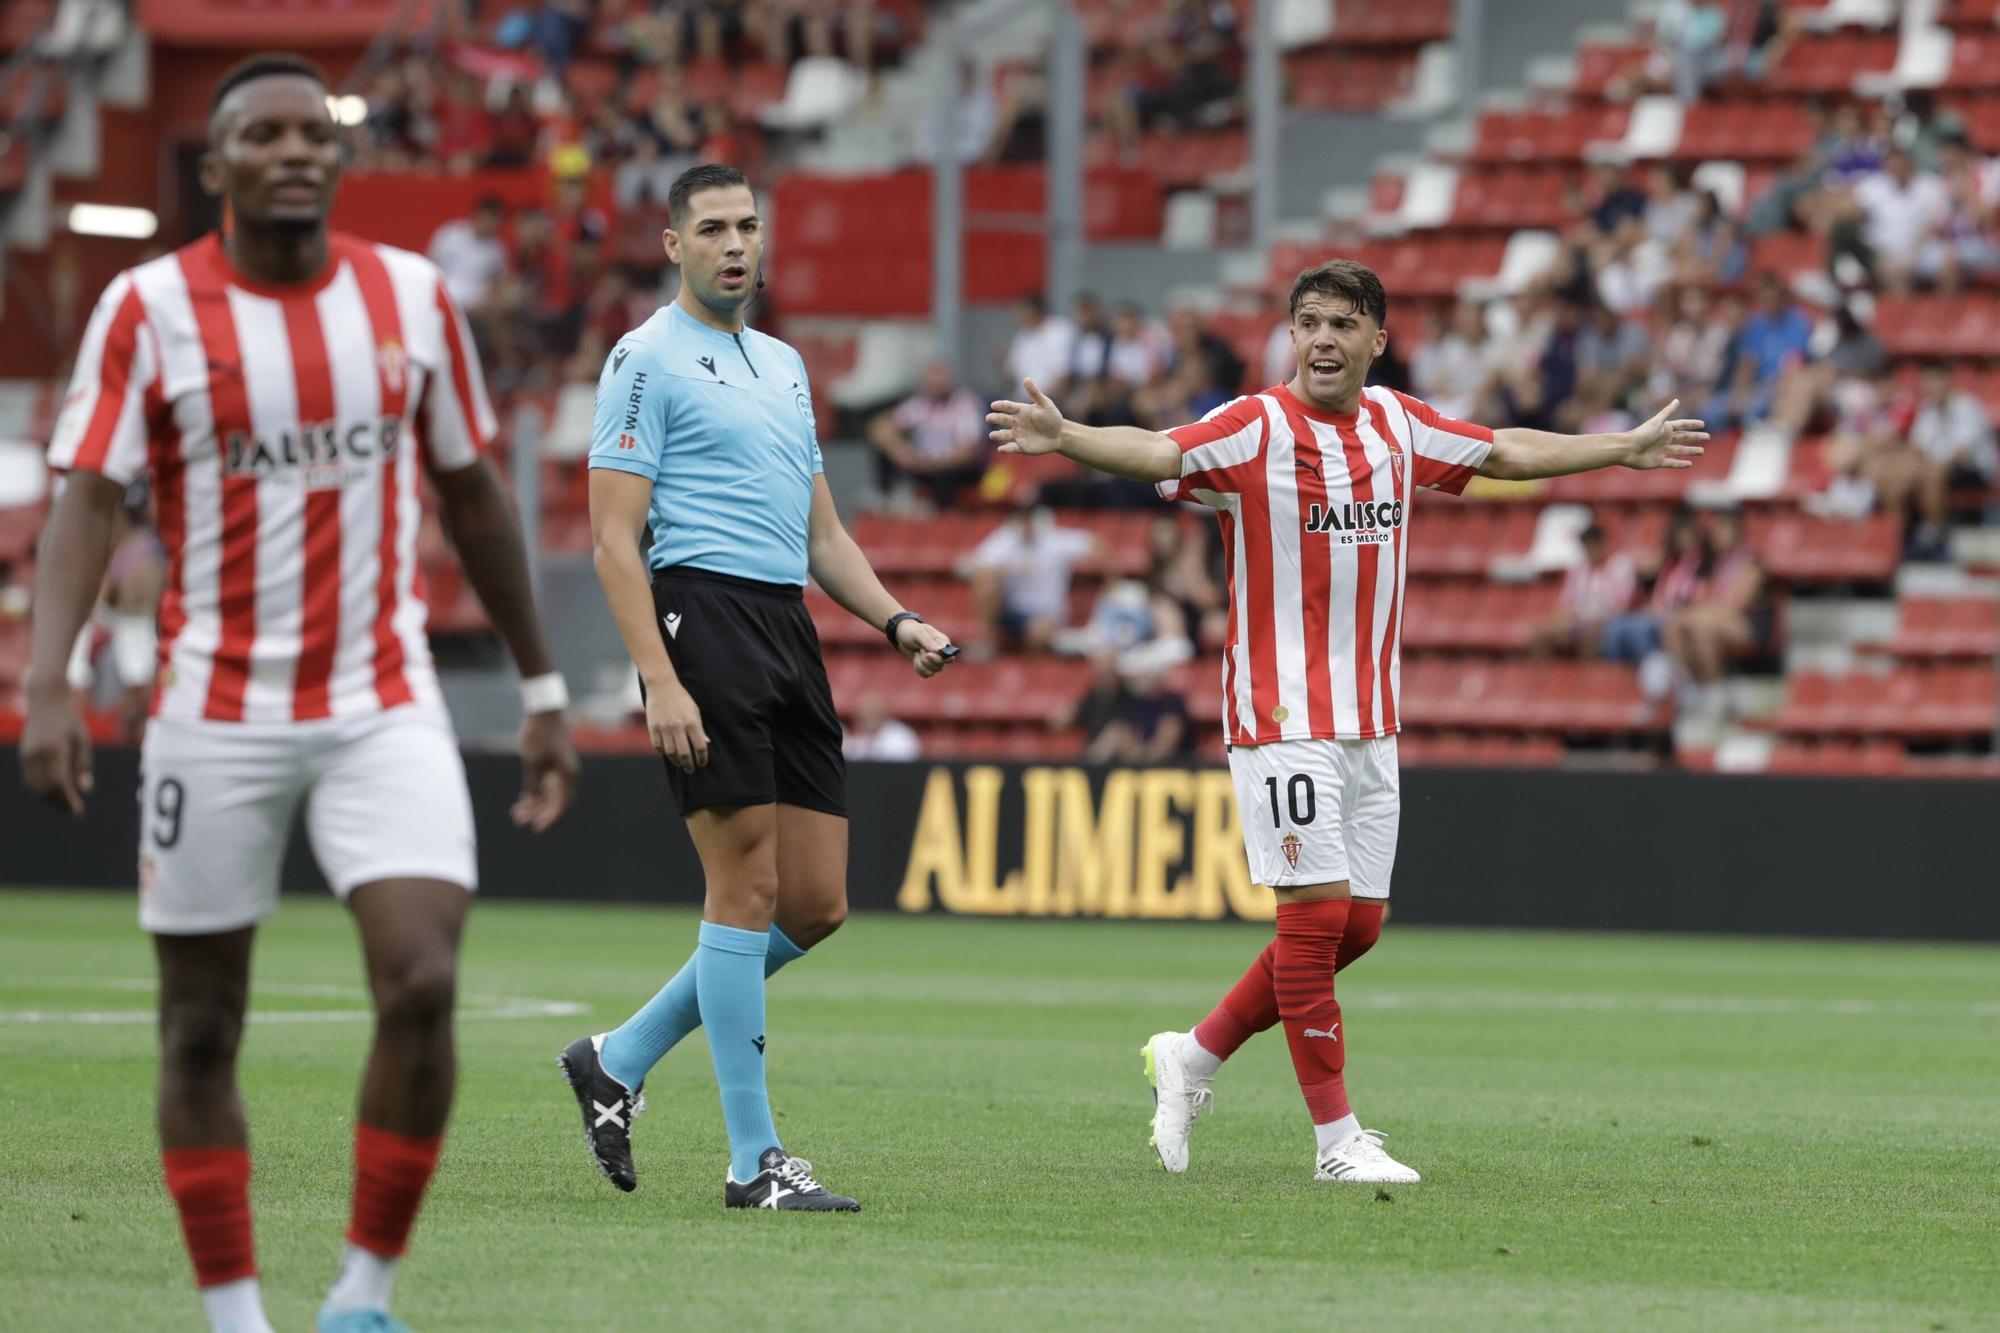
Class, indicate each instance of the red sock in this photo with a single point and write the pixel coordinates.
(211, 1189)
(390, 1173)
(1252, 1005)
(1364, 927)
(1302, 975)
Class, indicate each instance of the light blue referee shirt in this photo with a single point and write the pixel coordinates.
(722, 425)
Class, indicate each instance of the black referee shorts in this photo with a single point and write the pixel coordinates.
(748, 654)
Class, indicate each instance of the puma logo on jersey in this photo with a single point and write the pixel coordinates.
(672, 620)
(1307, 465)
(707, 363)
(1317, 1032)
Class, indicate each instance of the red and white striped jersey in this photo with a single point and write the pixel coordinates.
(277, 424)
(1315, 512)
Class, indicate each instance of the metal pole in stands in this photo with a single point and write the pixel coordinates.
(1468, 33)
(948, 207)
(1267, 112)
(1065, 183)
(527, 432)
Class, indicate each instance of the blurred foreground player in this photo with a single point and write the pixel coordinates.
(1312, 482)
(283, 384)
(704, 437)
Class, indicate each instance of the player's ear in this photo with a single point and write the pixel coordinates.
(1381, 341)
(209, 171)
(670, 241)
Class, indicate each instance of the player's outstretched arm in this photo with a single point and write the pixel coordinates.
(839, 565)
(1663, 442)
(76, 547)
(487, 533)
(1039, 427)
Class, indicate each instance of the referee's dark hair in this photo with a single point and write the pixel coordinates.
(707, 176)
(260, 66)
(1353, 283)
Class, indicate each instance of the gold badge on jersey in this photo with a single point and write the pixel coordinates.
(1280, 713)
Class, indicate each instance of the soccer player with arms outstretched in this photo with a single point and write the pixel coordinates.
(704, 437)
(283, 384)
(1312, 482)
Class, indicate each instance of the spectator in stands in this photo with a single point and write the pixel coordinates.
(1670, 583)
(1951, 447)
(1454, 368)
(1191, 66)
(517, 133)
(472, 255)
(1613, 199)
(1814, 191)
(1042, 347)
(1177, 568)
(1672, 206)
(1611, 361)
(975, 126)
(1128, 715)
(1871, 425)
(1533, 391)
(1888, 220)
(1808, 387)
(1712, 249)
(1090, 361)
(672, 122)
(1600, 585)
(934, 440)
(1731, 613)
(1775, 337)
(1021, 575)
(878, 736)
(1023, 132)
(1629, 267)
(1138, 356)
(1968, 241)
(1698, 330)
(559, 28)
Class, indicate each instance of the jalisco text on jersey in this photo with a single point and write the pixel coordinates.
(311, 444)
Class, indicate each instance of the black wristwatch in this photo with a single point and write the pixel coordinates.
(896, 623)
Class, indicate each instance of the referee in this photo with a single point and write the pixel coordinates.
(704, 435)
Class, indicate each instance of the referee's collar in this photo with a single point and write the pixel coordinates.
(678, 313)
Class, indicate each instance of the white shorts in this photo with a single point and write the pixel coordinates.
(1318, 812)
(384, 794)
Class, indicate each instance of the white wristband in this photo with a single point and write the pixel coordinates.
(544, 694)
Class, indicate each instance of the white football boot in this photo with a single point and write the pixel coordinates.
(1360, 1160)
(1178, 1097)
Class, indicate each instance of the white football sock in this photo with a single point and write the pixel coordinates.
(365, 1282)
(235, 1307)
(1201, 1061)
(1336, 1132)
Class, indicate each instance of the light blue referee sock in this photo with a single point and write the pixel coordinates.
(729, 981)
(643, 1040)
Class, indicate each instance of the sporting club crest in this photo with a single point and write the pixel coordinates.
(1289, 845)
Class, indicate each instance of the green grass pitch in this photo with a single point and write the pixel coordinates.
(1615, 1131)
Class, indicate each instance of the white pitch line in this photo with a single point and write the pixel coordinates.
(471, 1007)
